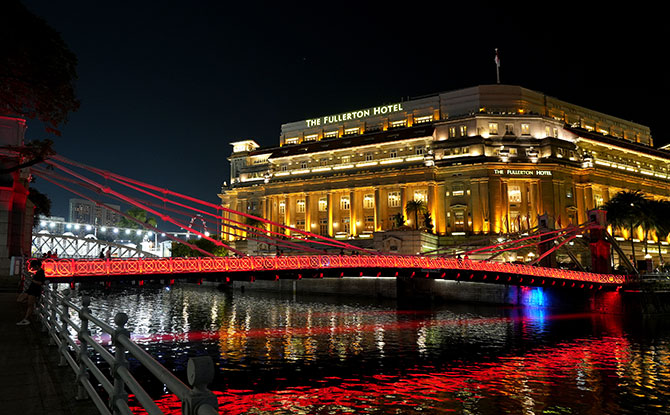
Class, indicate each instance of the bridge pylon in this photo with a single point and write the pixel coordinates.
(546, 224)
(601, 258)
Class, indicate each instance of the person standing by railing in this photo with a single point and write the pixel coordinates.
(34, 291)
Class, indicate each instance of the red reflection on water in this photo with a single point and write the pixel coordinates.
(517, 379)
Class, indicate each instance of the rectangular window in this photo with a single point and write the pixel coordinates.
(282, 207)
(493, 128)
(547, 131)
(323, 162)
(351, 131)
(369, 223)
(303, 164)
(300, 206)
(514, 194)
(323, 226)
(525, 129)
(457, 190)
(369, 156)
(344, 203)
(330, 134)
(509, 128)
(555, 132)
(369, 201)
(283, 167)
(311, 137)
(421, 195)
(419, 120)
(394, 199)
(396, 124)
(419, 151)
(346, 159)
(300, 224)
(464, 130)
(323, 204)
(346, 225)
(452, 132)
(393, 153)
(292, 140)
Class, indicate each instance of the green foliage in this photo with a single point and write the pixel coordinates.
(37, 69)
(428, 221)
(627, 210)
(42, 203)
(181, 250)
(399, 220)
(416, 207)
(138, 214)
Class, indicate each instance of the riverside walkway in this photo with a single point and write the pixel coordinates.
(30, 379)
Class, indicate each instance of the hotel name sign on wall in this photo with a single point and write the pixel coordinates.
(513, 172)
(354, 115)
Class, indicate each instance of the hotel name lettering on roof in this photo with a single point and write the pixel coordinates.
(354, 115)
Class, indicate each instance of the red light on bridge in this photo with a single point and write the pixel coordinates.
(299, 276)
(276, 277)
(532, 281)
(484, 276)
(472, 276)
(426, 275)
(458, 275)
(321, 275)
(413, 273)
(591, 287)
(360, 274)
(497, 277)
(141, 283)
(379, 274)
(342, 274)
(509, 279)
(542, 282)
(520, 280)
(553, 283)
(444, 274)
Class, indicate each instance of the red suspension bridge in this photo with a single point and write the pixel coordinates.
(307, 259)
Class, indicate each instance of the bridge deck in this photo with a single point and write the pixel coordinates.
(74, 268)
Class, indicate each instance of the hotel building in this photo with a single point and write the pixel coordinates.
(485, 160)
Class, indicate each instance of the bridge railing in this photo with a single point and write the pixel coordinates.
(55, 315)
(152, 266)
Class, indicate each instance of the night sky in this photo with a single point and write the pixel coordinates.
(166, 86)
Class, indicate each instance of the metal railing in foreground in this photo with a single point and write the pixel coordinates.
(55, 316)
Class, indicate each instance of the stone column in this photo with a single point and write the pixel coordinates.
(378, 226)
(432, 204)
(308, 214)
(440, 209)
(329, 213)
(579, 198)
(534, 203)
(495, 205)
(476, 206)
(353, 214)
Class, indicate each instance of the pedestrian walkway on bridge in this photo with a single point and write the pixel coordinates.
(31, 381)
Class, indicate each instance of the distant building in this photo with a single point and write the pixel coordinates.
(484, 160)
(85, 211)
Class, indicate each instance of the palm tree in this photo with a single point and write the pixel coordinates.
(417, 207)
(625, 211)
(658, 210)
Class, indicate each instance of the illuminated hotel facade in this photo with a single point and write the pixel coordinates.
(485, 160)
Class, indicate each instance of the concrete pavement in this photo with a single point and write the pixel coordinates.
(31, 382)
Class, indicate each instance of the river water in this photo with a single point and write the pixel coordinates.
(322, 355)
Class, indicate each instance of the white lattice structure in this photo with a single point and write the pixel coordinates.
(88, 247)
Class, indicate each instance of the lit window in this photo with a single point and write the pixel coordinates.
(452, 132)
(463, 130)
(465, 150)
(369, 156)
(344, 203)
(282, 208)
(396, 124)
(525, 129)
(283, 167)
(346, 225)
(351, 131)
(394, 199)
(514, 194)
(300, 224)
(421, 195)
(369, 201)
(323, 162)
(346, 159)
(292, 140)
(323, 226)
(419, 120)
(555, 132)
(330, 134)
(509, 128)
(493, 128)
(369, 223)
(311, 137)
(547, 131)
(323, 204)
(457, 189)
(300, 206)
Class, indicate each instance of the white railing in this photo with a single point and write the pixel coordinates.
(55, 316)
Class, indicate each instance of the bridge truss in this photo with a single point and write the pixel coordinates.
(73, 247)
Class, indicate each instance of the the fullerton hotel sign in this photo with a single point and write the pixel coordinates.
(354, 115)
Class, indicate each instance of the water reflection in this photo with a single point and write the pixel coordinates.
(325, 356)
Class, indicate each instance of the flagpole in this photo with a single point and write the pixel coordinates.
(497, 60)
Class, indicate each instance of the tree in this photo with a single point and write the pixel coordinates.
(428, 221)
(37, 69)
(140, 215)
(41, 202)
(182, 250)
(658, 210)
(624, 211)
(399, 220)
(417, 207)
